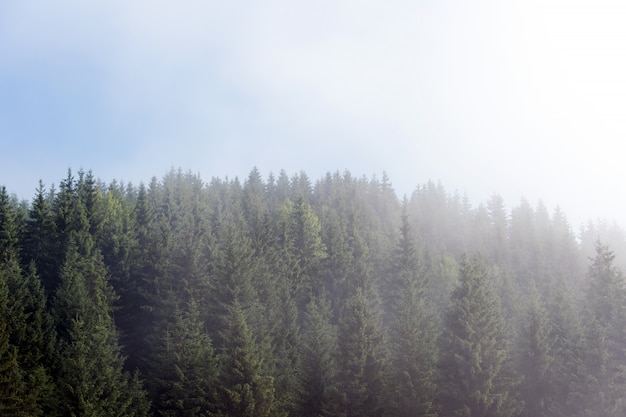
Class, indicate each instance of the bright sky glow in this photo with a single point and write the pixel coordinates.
(524, 98)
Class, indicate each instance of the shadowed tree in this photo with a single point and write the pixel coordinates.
(244, 390)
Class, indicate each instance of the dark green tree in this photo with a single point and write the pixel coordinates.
(186, 371)
(90, 376)
(39, 237)
(413, 335)
(361, 359)
(12, 388)
(245, 389)
(318, 390)
(474, 350)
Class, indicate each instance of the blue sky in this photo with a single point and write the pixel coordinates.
(523, 98)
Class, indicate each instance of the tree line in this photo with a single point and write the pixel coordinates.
(288, 297)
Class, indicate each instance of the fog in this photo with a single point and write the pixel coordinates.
(521, 98)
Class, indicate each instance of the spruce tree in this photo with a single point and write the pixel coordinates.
(245, 390)
(605, 360)
(318, 390)
(474, 350)
(413, 333)
(535, 346)
(39, 238)
(90, 376)
(185, 374)
(361, 360)
(11, 377)
(26, 322)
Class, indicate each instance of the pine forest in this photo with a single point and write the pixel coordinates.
(288, 296)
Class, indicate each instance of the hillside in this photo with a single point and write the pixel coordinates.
(288, 296)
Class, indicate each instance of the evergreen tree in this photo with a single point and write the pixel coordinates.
(605, 360)
(39, 237)
(9, 228)
(361, 360)
(413, 336)
(185, 368)
(11, 378)
(567, 385)
(474, 351)
(318, 391)
(30, 330)
(26, 322)
(11, 381)
(536, 359)
(90, 376)
(245, 390)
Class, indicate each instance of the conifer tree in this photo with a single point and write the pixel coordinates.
(90, 376)
(605, 362)
(361, 360)
(474, 350)
(318, 393)
(9, 231)
(413, 336)
(26, 322)
(186, 371)
(535, 359)
(11, 377)
(30, 330)
(245, 390)
(39, 237)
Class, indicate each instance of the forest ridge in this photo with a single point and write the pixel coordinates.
(288, 297)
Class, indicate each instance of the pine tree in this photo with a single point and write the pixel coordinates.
(605, 361)
(30, 330)
(90, 375)
(9, 230)
(39, 237)
(474, 350)
(536, 359)
(413, 336)
(26, 323)
(11, 377)
(185, 374)
(245, 390)
(361, 360)
(318, 392)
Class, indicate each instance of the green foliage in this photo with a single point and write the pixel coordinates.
(413, 334)
(605, 362)
(474, 349)
(90, 376)
(289, 297)
(318, 394)
(535, 347)
(361, 359)
(185, 367)
(244, 390)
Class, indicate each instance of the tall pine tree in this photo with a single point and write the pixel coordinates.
(474, 350)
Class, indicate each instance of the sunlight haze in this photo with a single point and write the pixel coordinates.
(521, 98)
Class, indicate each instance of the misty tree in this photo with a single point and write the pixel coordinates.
(318, 393)
(361, 359)
(412, 383)
(474, 350)
(605, 361)
(535, 356)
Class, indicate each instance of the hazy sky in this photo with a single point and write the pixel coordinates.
(524, 98)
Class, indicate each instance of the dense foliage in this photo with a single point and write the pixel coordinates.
(284, 297)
